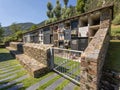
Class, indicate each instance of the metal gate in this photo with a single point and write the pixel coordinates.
(67, 63)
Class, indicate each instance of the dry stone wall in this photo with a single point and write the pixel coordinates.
(39, 52)
(35, 58)
(17, 46)
(92, 59)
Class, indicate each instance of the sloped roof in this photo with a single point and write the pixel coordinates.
(77, 16)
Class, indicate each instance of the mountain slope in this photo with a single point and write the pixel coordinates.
(24, 26)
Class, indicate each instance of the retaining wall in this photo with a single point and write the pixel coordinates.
(39, 52)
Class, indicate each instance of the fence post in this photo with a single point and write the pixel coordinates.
(51, 58)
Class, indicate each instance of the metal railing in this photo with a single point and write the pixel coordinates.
(67, 63)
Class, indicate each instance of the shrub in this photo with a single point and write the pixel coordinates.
(116, 20)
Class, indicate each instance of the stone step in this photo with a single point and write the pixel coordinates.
(13, 82)
(55, 84)
(16, 87)
(7, 78)
(34, 67)
(37, 85)
(70, 86)
(3, 75)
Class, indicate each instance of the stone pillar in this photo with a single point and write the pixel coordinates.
(92, 59)
(28, 38)
(51, 58)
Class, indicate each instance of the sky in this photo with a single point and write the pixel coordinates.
(21, 11)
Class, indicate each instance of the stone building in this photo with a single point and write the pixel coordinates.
(74, 33)
(88, 32)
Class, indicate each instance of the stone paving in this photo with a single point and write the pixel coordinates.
(9, 79)
(55, 84)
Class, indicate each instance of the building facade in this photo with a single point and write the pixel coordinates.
(72, 33)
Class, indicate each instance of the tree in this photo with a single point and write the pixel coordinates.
(50, 13)
(1, 33)
(57, 10)
(50, 8)
(65, 3)
(16, 32)
(14, 28)
(80, 6)
(33, 27)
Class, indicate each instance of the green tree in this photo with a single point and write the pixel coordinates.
(50, 13)
(65, 3)
(1, 33)
(80, 6)
(16, 32)
(33, 27)
(49, 6)
(57, 10)
(92, 4)
(50, 10)
(14, 28)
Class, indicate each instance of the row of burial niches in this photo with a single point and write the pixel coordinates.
(72, 34)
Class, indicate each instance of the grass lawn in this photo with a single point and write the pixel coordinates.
(113, 57)
(6, 61)
(115, 30)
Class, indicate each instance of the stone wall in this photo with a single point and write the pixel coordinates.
(17, 46)
(92, 59)
(39, 52)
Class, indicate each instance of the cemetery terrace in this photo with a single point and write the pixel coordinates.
(75, 48)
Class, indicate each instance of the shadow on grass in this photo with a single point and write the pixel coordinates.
(112, 61)
(112, 64)
(5, 57)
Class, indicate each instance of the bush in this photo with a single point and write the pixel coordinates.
(116, 20)
(115, 31)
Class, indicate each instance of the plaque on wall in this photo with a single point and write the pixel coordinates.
(61, 27)
(74, 24)
(83, 32)
(47, 38)
(67, 34)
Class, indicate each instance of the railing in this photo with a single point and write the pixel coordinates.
(67, 63)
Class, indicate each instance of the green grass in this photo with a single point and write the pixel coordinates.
(115, 30)
(113, 57)
(2, 44)
(48, 83)
(16, 68)
(77, 88)
(7, 59)
(60, 60)
(19, 74)
(30, 80)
